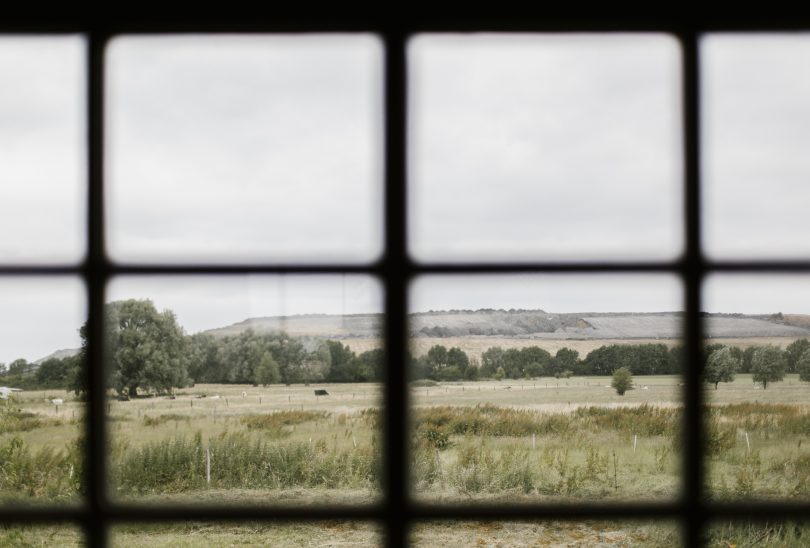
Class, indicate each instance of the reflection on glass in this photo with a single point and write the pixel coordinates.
(41, 392)
(527, 146)
(42, 172)
(244, 389)
(554, 533)
(531, 387)
(292, 535)
(757, 365)
(226, 148)
(755, 134)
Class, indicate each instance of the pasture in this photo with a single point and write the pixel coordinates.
(494, 441)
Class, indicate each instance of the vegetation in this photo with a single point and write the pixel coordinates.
(721, 366)
(622, 380)
(768, 365)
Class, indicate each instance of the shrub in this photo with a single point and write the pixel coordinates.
(622, 380)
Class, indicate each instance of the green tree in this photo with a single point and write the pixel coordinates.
(622, 380)
(564, 360)
(373, 361)
(803, 366)
(499, 374)
(266, 371)
(144, 348)
(768, 365)
(343, 362)
(491, 360)
(793, 352)
(720, 367)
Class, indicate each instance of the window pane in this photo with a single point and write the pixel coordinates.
(533, 388)
(537, 147)
(228, 148)
(245, 389)
(292, 535)
(554, 533)
(758, 426)
(43, 189)
(41, 415)
(755, 133)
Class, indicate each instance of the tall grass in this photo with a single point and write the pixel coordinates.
(239, 461)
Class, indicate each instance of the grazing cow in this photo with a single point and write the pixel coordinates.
(244, 394)
(57, 401)
(321, 393)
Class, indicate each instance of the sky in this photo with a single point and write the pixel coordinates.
(521, 147)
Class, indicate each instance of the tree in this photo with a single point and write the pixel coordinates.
(793, 352)
(768, 365)
(803, 366)
(564, 360)
(720, 367)
(266, 371)
(622, 380)
(491, 360)
(343, 362)
(144, 348)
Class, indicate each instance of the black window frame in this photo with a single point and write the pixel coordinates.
(396, 513)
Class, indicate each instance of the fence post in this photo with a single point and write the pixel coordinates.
(534, 441)
(748, 443)
(208, 465)
(635, 440)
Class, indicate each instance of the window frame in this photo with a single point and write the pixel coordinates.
(692, 511)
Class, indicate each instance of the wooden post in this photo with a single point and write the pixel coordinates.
(534, 442)
(747, 442)
(635, 440)
(208, 465)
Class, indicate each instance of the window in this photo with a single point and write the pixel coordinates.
(396, 514)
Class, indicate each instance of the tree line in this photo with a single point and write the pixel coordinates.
(147, 351)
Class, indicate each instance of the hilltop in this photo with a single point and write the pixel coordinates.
(529, 324)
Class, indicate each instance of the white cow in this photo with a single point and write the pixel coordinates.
(5, 392)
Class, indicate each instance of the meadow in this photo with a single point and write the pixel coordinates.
(491, 441)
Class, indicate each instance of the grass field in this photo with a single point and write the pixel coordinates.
(509, 441)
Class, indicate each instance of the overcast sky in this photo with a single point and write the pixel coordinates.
(242, 148)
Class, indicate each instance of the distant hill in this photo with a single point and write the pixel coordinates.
(476, 327)
(59, 354)
(530, 324)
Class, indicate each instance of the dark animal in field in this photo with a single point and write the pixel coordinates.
(321, 393)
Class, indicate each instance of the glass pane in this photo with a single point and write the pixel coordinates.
(225, 148)
(532, 388)
(544, 146)
(554, 533)
(758, 426)
(245, 389)
(187, 535)
(755, 134)
(43, 188)
(41, 404)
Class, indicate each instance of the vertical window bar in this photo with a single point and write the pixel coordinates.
(692, 271)
(95, 274)
(397, 273)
